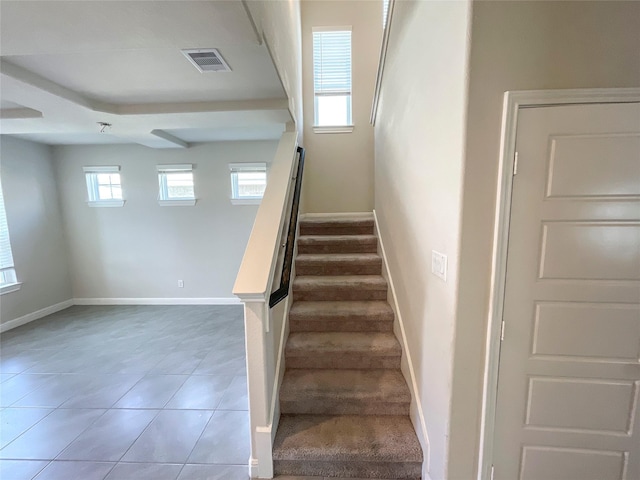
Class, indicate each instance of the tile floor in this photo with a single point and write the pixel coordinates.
(126, 392)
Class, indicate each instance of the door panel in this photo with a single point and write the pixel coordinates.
(548, 462)
(569, 375)
(597, 331)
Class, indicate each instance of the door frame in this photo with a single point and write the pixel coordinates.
(512, 102)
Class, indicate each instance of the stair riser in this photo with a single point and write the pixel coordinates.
(338, 248)
(340, 325)
(309, 268)
(347, 293)
(349, 469)
(342, 361)
(329, 406)
(336, 230)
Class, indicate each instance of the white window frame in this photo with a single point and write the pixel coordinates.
(236, 168)
(348, 127)
(8, 279)
(163, 190)
(93, 195)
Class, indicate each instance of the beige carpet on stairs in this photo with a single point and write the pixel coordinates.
(344, 402)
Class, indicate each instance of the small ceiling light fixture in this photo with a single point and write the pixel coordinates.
(104, 127)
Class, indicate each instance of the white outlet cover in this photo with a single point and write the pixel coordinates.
(439, 264)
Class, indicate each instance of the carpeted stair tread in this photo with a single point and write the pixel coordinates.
(340, 392)
(318, 258)
(338, 264)
(339, 287)
(346, 316)
(353, 219)
(337, 244)
(321, 311)
(338, 225)
(370, 343)
(350, 438)
(365, 282)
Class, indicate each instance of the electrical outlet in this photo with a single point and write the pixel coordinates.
(439, 264)
(180, 284)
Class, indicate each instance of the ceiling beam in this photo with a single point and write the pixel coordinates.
(19, 113)
(172, 141)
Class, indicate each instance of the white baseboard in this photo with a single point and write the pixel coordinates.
(158, 301)
(16, 322)
(253, 468)
(30, 317)
(417, 415)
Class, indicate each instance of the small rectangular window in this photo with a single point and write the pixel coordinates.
(8, 280)
(332, 78)
(104, 188)
(176, 185)
(248, 182)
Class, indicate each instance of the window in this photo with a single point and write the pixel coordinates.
(332, 79)
(103, 186)
(176, 185)
(248, 181)
(8, 281)
(385, 13)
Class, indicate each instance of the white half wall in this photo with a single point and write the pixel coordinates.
(35, 226)
(339, 166)
(419, 160)
(141, 250)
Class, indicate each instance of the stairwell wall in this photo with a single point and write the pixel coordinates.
(419, 157)
(339, 166)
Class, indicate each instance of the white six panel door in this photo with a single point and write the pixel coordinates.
(569, 374)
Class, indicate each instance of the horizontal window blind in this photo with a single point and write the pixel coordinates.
(184, 167)
(248, 167)
(385, 12)
(332, 62)
(6, 255)
(101, 169)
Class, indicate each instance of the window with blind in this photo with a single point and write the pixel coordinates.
(176, 185)
(332, 76)
(8, 280)
(385, 13)
(104, 188)
(248, 182)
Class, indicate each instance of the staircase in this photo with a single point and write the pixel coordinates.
(344, 402)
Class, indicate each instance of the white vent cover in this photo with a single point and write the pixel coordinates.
(207, 60)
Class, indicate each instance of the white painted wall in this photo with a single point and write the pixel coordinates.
(419, 157)
(35, 225)
(518, 46)
(142, 249)
(339, 167)
(278, 22)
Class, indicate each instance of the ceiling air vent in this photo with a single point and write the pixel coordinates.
(207, 60)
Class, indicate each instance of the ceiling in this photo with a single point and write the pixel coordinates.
(66, 65)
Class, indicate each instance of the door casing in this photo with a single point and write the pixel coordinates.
(512, 103)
